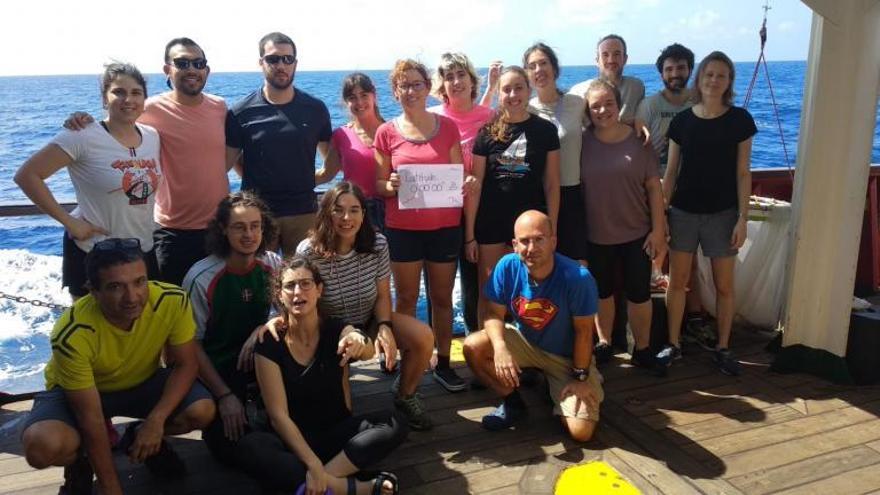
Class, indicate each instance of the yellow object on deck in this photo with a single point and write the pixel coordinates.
(455, 354)
(595, 477)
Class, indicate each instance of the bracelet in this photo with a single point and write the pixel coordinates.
(223, 396)
(470, 241)
(387, 323)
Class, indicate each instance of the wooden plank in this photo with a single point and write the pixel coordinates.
(725, 425)
(751, 407)
(643, 406)
(478, 482)
(806, 471)
(860, 480)
(800, 448)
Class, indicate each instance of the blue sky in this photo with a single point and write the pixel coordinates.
(367, 34)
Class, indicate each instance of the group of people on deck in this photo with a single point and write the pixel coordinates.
(238, 314)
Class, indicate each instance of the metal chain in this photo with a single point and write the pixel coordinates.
(33, 302)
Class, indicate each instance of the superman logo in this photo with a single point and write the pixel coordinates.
(536, 313)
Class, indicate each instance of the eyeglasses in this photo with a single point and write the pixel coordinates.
(415, 86)
(117, 244)
(340, 212)
(274, 59)
(185, 63)
(303, 283)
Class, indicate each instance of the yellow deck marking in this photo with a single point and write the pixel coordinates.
(594, 477)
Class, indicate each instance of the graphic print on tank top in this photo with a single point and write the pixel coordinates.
(512, 162)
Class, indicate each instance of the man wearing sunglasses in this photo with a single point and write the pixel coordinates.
(106, 352)
(271, 138)
(192, 140)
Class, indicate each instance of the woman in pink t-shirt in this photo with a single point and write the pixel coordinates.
(351, 146)
(456, 84)
(421, 237)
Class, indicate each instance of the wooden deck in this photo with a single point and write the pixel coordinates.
(696, 431)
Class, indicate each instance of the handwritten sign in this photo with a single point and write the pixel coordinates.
(430, 186)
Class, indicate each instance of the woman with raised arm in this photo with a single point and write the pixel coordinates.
(351, 145)
(114, 167)
(456, 84)
(421, 237)
(566, 112)
(516, 159)
(626, 229)
(354, 264)
(707, 184)
(313, 438)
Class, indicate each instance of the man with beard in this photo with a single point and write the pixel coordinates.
(611, 58)
(271, 138)
(656, 111)
(553, 302)
(192, 152)
(229, 291)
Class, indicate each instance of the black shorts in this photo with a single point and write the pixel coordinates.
(494, 223)
(177, 250)
(607, 260)
(436, 246)
(136, 402)
(73, 267)
(571, 233)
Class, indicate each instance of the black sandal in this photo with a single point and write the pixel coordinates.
(380, 480)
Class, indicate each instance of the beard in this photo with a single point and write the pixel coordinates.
(280, 85)
(671, 84)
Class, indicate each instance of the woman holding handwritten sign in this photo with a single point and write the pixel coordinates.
(418, 237)
(516, 157)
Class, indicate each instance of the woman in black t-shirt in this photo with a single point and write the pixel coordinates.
(516, 157)
(314, 439)
(707, 185)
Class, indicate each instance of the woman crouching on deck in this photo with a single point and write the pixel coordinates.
(314, 438)
(707, 184)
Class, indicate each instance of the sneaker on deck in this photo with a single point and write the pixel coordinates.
(698, 331)
(644, 358)
(505, 415)
(77, 477)
(412, 408)
(449, 379)
(669, 354)
(165, 464)
(602, 352)
(727, 363)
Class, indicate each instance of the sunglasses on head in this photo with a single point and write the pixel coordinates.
(117, 244)
(185, 63)
(274, 59)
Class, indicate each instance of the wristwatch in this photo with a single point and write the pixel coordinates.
(580, 374)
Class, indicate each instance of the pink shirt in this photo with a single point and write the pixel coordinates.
(193, 155)
(469, 124)
(358, 160)
(403, 151)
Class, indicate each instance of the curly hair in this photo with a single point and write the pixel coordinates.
(323, 236)
(675, 51)
(216, 242)
(401, 66)
(294, 262)
(497, 128)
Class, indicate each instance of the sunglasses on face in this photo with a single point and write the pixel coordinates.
(185, 63)
(117, 244)
(274, 59)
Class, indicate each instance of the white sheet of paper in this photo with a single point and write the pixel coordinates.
(430, 186)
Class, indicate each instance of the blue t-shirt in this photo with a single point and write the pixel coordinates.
(544, 312)
(279, 144)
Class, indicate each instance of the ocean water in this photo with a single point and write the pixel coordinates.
(32, 110)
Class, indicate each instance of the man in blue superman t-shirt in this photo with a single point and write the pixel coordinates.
(553, 301)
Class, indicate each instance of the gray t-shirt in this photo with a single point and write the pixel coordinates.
(567, 115)
(657, 112)
(613, 177)
(632, 91)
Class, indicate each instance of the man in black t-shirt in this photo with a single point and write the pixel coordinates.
(271, 138)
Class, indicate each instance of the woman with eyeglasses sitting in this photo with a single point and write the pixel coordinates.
(314, 438)
(115, 170)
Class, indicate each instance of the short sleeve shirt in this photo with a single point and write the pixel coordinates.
(614, 191)
(88, 351)
(543, 312)
(279, 144)
(315, 395)
(357, 159)
(707, 177)
(350, 281)
(469, 124)
(514, 177)
(567, 114)
(115, 185)
(228, 305)
(403, 151)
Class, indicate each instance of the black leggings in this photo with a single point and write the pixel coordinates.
(606, 259)
(364, 439)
